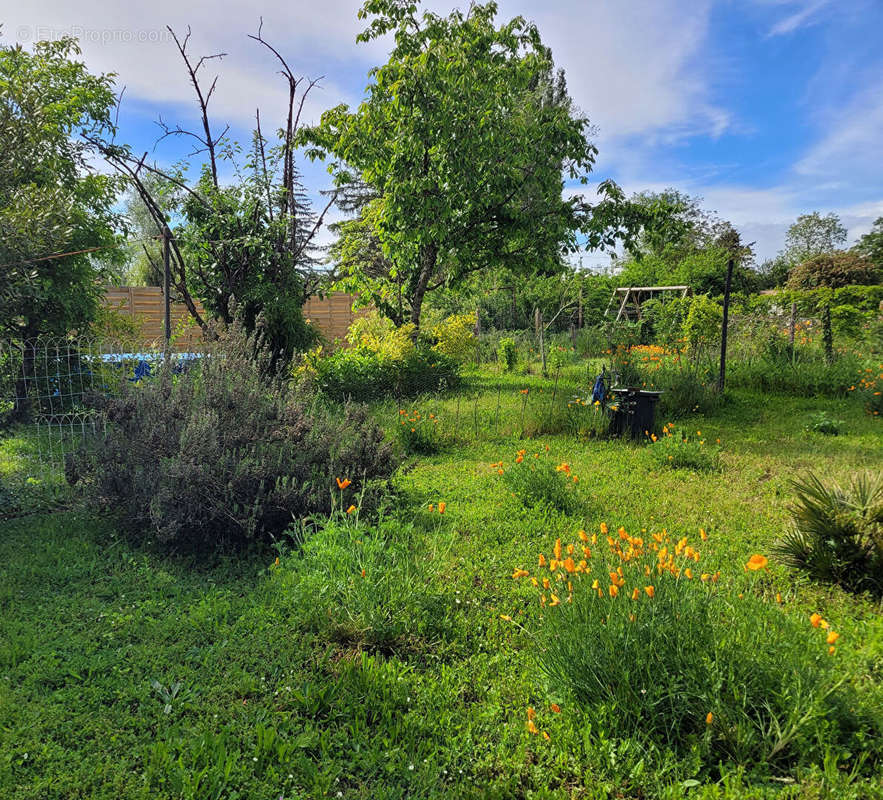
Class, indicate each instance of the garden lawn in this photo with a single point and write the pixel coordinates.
(373, 662)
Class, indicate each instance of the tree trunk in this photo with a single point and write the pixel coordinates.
(428, 260)
(22, 407)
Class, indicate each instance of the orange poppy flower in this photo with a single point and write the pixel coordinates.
(542, 560)
(832, 637)
(757, 562)
(604, 529)
(709, 718)
(520, 573)
(350, 509)
(650, 591)
(613, 590)
(531, 726)
(441, 507)
(342, 484)
(815, 620)
(555, 708)
(557, 549)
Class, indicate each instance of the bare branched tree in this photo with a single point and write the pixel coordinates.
(232, 238)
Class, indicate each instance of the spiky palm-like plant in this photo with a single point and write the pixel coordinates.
(837, 532)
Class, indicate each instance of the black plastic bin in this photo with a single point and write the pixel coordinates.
(635, 412)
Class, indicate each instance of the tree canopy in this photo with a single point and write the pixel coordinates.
(833, 270)
(871, 244)
(465, 138)
(814, 235)
(51, 200)
(680, 242)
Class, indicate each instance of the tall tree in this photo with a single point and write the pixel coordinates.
(464, 138)
(814, 235)
(833, 271)
(51, 199)
(680, 242)
(244, 247)
(871, 244)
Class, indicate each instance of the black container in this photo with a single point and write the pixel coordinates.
(635, 412)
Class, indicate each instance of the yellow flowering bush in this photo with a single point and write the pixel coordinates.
(455, 337)
(651, 643)
(379, 335)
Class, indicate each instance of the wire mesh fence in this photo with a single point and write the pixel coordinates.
(52, 393)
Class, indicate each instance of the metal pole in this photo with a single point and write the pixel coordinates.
(723, 372)
(166, 281)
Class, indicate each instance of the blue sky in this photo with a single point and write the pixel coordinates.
(765, 108)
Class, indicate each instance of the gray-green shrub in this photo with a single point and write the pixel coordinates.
(222, 454)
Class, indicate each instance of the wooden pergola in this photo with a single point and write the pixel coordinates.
(633, 296)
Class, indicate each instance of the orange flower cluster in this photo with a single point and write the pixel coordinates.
(531, 720)
(872, 386)
(817, 621)
(522, 454)
(632, 557)
(413, 417)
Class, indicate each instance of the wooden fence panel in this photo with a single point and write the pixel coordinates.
(332, 314)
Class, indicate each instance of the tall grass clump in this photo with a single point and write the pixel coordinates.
(680, 449)
(372, 587)
(651, 648)
(804, 372)
(536, 481)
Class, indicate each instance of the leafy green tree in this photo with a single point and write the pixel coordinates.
(826, 272)
(464, 139)
(681, 243)
(676, 226)
(773, 272)
(814, 235)
(871, 244)
(51, 199)
(245, 247)
(833, 270)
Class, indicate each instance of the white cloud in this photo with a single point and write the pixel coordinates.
(632, 65)
(804, 14)
(851, 143)
(132, 41)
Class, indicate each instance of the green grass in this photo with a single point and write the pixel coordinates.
(127, 674)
